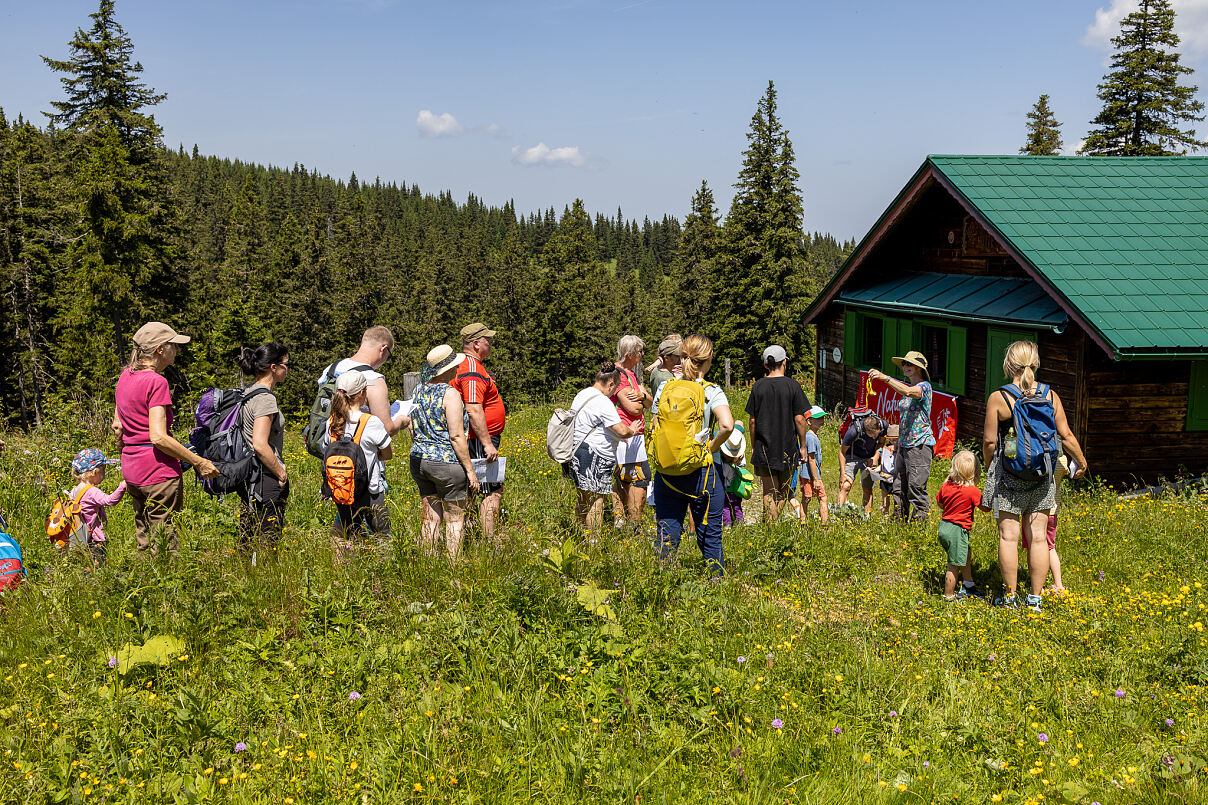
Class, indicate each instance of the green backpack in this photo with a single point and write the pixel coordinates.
(320, 410)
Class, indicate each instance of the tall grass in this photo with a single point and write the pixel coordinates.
(824, 668)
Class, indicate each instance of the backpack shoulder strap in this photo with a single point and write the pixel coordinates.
(360, 431)
(251, 391)
(80, 495)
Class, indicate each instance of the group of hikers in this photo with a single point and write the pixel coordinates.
(1027, 447)
(692, 464)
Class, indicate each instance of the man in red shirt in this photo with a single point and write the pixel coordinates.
(631, 399)
(487, 415)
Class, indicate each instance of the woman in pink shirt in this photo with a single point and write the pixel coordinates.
(151, 457)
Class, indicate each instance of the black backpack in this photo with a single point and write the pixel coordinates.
(345, 473)
(219, 437)
(320, 409)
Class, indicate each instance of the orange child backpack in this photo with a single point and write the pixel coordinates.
(65, 525)
(345, 474)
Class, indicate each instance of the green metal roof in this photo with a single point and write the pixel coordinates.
(1123, 240)
(1005, 300)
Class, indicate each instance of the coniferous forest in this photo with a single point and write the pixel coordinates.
(102, 228)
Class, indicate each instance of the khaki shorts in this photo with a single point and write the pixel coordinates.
(436, 479)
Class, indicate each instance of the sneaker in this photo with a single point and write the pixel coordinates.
(1034, 603)
(1008, 601)
(954, 599)
(969, 592)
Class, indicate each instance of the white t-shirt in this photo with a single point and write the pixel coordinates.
(346, 364)
(593, 420)
(374, 438)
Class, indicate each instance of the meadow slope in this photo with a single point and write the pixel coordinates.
(824, 668)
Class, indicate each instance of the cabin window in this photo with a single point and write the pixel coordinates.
(1197, 396)
(873, 340)
(871, 351)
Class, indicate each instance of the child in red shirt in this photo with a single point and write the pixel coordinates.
(958, 497)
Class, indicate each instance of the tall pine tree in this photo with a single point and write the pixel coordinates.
(1044, 132)
(1144, 104)
(695, 269)
(764, 243)
(119, 270)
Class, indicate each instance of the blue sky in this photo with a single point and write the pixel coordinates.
(624, 103)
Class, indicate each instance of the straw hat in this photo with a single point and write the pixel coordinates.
(914, 358)
(442, 358)
(736, 445)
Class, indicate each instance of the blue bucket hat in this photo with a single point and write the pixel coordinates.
(89, 459)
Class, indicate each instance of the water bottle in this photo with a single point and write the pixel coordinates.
(1009, 446)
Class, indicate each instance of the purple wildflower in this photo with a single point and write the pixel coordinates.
(777, 723)
(992, 658)
(742, 659)
(837, 730)
(352, 697)
(926, 764)
(241, 747)
(1100, 579)
(113, 662)
(1044, 739)
(1119, 694)
(893, 713)
(1170, 722)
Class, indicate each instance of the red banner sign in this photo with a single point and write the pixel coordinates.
(884, 401)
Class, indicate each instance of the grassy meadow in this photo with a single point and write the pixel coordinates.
(565, 667)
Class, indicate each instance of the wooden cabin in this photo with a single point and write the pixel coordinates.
(1103, 261)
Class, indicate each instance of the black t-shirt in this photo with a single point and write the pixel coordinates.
(774, 402)
(860, 446)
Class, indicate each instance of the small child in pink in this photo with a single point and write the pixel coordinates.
(89, 469)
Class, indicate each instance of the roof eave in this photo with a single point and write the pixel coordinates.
(922, 310)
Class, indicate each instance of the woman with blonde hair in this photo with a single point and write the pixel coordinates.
(152, 459)
(699, 490)
(1021, 506)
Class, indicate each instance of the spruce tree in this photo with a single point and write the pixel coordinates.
(1044, 132)
(764, 243)
(1144, 104)
(695, 268)
(102, 86)
(120, 266)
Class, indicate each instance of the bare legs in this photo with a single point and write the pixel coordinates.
(488, 514)
(454, 516)
(589, 508)
(1009, 531)
(775, 492)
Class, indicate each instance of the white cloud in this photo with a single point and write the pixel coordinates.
(542, 154)
(442, 125)
(1190, 23)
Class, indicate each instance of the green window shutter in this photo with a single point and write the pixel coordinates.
(997, 342)
(889, 344)
(851, 338)
(957, 360)
(1197, 397)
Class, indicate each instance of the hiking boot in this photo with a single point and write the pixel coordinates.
(1034, 603)
(969, 592)
(1008, 601)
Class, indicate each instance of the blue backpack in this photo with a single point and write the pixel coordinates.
(1036, 445)
(12, 571)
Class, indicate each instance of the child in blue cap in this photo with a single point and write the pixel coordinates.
(89, 469)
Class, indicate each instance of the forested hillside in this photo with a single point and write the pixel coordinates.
(102, 228)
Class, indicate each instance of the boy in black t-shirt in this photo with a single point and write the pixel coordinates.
(777, 426)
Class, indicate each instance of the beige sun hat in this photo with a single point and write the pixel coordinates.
(736, 445)
(914, 358)
(443, 358)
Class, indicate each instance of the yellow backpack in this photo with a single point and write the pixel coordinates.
(672, 444)
(65, 526)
